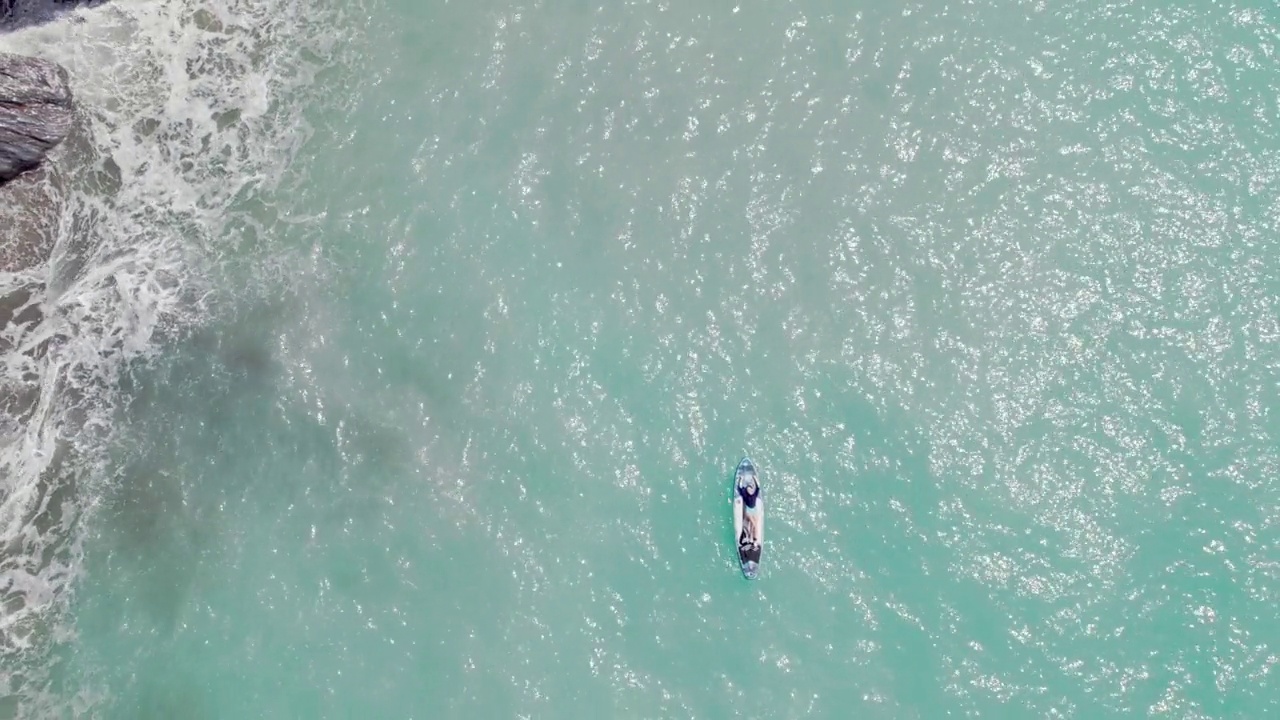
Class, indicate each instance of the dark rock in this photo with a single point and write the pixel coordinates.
(35, 112)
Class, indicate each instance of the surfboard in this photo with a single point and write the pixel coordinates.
(749, 549)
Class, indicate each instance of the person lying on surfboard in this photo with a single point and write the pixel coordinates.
(751, 511)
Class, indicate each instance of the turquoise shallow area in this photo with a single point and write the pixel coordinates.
(987, 292)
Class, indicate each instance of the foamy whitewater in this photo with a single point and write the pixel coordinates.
(190, 114)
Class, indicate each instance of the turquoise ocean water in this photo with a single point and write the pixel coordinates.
(414, 345)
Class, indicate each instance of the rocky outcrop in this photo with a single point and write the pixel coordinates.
(35, 112)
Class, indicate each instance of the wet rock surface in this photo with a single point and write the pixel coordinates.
(36, 112)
